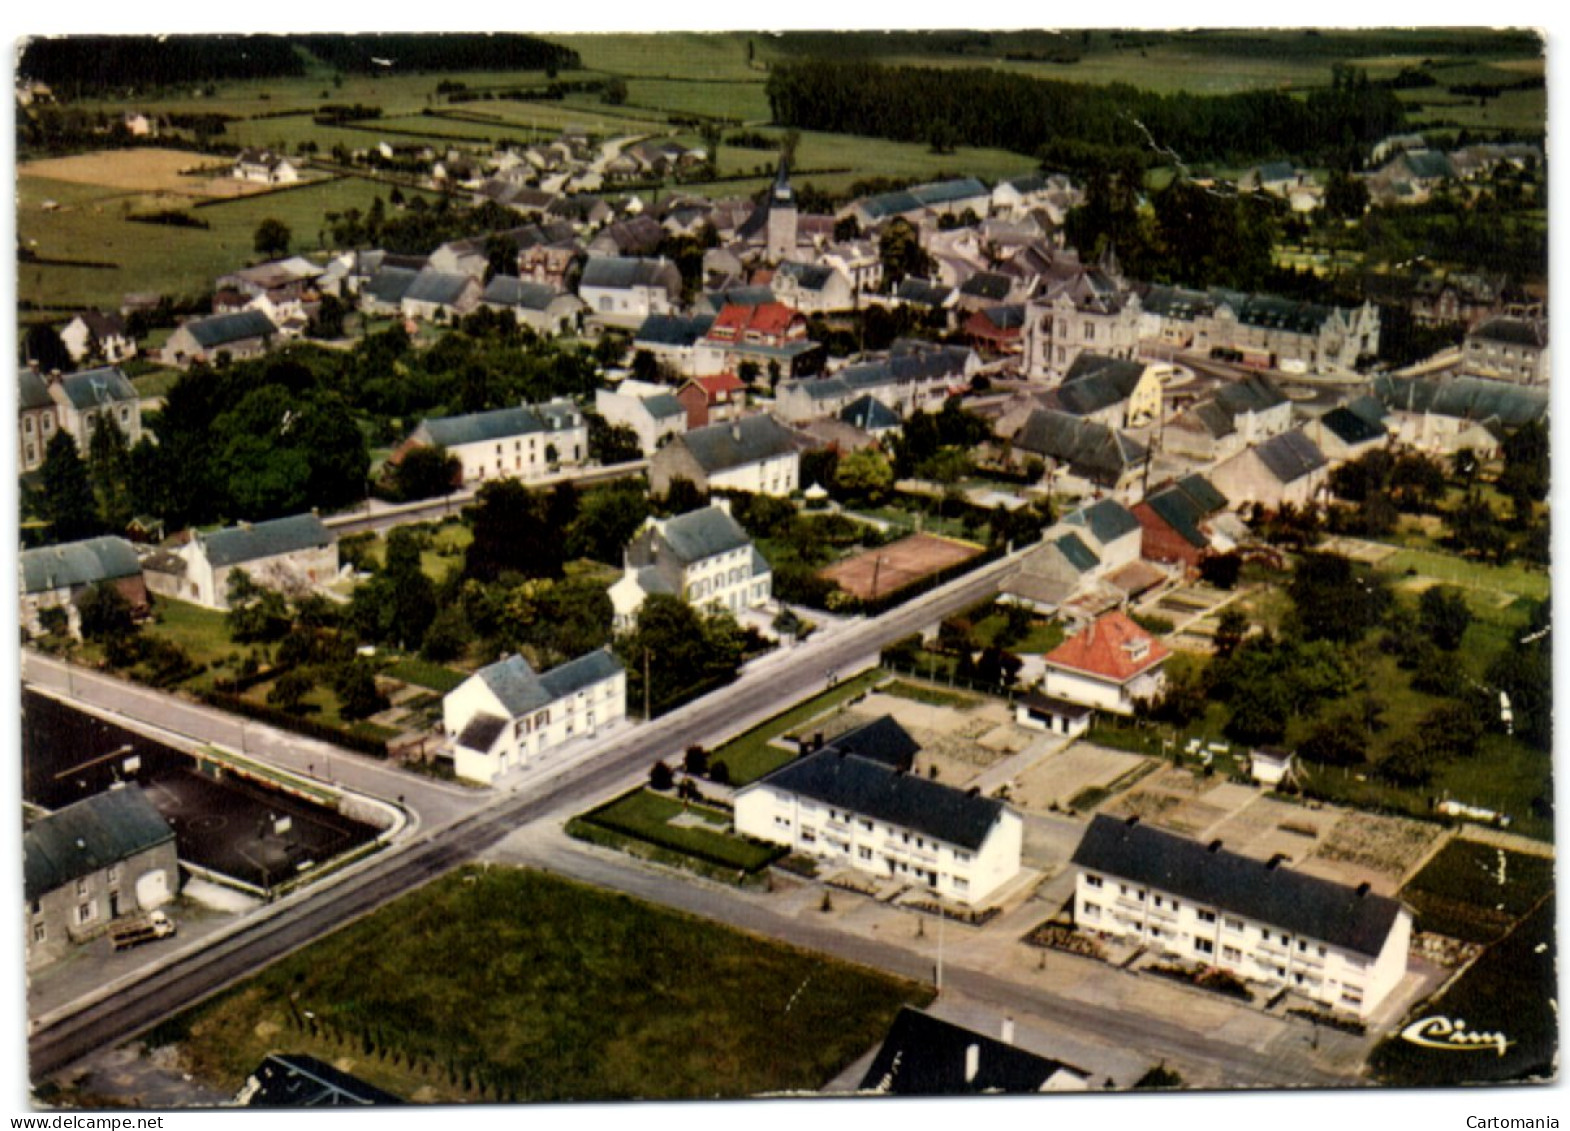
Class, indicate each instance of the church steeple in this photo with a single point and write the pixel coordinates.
(782, 216)
(783, 195)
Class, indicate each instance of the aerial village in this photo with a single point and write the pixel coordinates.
(1148, 680)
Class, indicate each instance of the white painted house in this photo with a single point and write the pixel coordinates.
(652, 411)
(703, 556)
(1108, 665)
(506, 716)
(527, 442)
(1338, 945)
(752, 453)
(851, 808)
(287, 554)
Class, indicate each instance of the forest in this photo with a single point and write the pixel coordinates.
(1008, 111)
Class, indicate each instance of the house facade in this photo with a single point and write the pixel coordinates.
(244, 334)
(1338, 945)
(53, 577)
(96, 334)
(751, 453)
(1108, 665)
(506, 716)
(100, 859)
(1288, 468)
(858, 812)
(528, 442)
(703, 556)
(1508, 349)
(288, 554)
(623, 292)
(263, 167)
(77, 403)
(654, 412)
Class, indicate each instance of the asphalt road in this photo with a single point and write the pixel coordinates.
(763, 690)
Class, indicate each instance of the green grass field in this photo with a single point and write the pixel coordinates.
(1521, 580)
(664, 821)
(932, 696)
(203, 633)
(749, 756)
(423, 673)
(494, 984)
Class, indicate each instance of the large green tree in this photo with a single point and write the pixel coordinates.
(68, 503)
(512, 534)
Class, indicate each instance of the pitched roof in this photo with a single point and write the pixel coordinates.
(663, 406)
(762, 317)
(673, 329)
(985, 284)
(923, 1056)
(751, 439)
(1091, 449)
(869, 414)
(500, 424)
(1290, 456)
(586, 671)
(1079, 555)
(94, 387)
(101, 325)
(882, 740)
(439, 287)
(89, 835)
(1112, 648)
(1351, 428)
(481, 733)
(297, 1080)
(872, 789)
(236, 545)
(618, 273)
(1107, 520)
(1305, 905)
(1094, 383)
(1528, 332)
(1254, 393)
(222, 329)
(506, 290)
(703, 533)
(78, 563)
(1467, 398)
(923, 292)
(808, 276)
(32, 391)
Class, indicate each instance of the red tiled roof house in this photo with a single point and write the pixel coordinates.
(1109, 665)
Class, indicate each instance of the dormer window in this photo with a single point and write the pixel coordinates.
(1137, 649)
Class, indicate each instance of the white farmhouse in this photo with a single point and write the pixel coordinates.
(505, 716)
(1109, 665)
(624, 292)
(752, 453)
(1342, 946)
(852, 807)
(527, 442)
(703, 556)
(292, 553)
(652, 411)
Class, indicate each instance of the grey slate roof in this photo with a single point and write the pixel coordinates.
(32, 391)
(808, 276)
(720, 447)
(1107, 519)
(663, 406)
(1181, 511)
(1349, 427)
(520, 690)
(94, 387)
(222, 329)
(985, 284)
(236, 545)
(1290, 456)
(390, 284)
(1095, 382)
(947, 192)
(869, 414)
(575, 675)
(1079, 555)
(1304, 905)
(439, 287)
(924, 1056)
(874, 790)
(619, 273)
(78, 563)
(1091, 450)
(701, 534)
(297, 1080)
(1177, 303)
(1254, 393)
(505, 290)
(1468, 398)
(1513, 331)
(499, 424)
(882, 740)
(673, 329)
(89, 835)
(923, 292)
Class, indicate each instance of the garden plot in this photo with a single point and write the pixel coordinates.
(1367, 847)
(1182, 801)
(1057, 779)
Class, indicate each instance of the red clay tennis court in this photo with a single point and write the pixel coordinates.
(875, 573)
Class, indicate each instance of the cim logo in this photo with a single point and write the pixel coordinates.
(1452, 1036)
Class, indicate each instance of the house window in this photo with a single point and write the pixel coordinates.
(864, 852)
(81, 887)
(39, 932)
(1234, 924)
(809, 836)
(1231, 953)
(782, 822)
(961, 857)
(1092, 911)
(85, 912)
(961, 883)
(38, 907)
(1204, 946)
(114, 873)
(1093, 881)
(1206, 916)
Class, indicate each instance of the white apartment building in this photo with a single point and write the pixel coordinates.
(527, 442)
(505, 716)
(851, 808)
(1341, 946)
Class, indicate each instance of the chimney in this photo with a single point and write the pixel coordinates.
(735, 430)
(1130, 822)
(972, 1062)
(1363, 889)
(1008, 1030)
(1275, 861)
(1214, 846)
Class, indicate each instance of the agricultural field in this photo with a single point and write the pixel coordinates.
(87, 222)
(498, 984)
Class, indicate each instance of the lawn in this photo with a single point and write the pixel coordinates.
(1523, 581)
(649, 816)
(750, 756)
(203, 633)
(931, 696)
(1509, 990)
(1476, 892)
(495, 983)
(423, 673)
